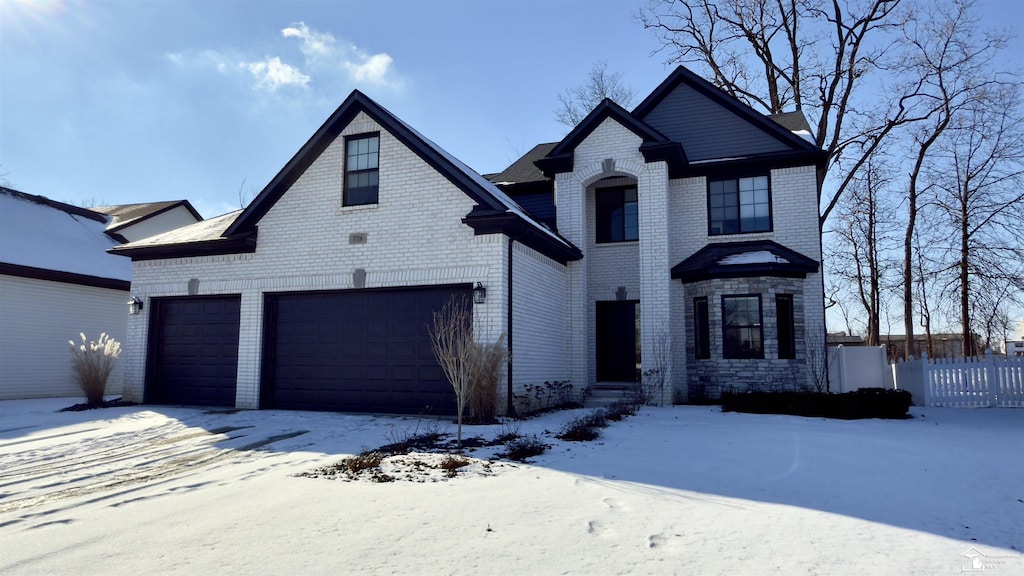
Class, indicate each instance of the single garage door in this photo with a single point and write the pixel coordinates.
(356, 351)
(193, 351)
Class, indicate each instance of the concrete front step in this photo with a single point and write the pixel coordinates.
(605, 394)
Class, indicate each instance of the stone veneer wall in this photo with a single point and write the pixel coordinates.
(709, 378)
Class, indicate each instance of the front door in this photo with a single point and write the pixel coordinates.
(618, 331)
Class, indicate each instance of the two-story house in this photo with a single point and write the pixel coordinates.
(679, 239)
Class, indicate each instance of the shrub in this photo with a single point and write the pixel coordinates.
(91, 364)
(451, 465)
(483, 385)
(551, 395)
(620, 410)
(864, 403)
(583, 428)
(524, 447)
(509, 431)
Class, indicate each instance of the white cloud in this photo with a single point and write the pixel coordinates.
(314, 44)
(322, 47)
(373, 70)
(272, 74)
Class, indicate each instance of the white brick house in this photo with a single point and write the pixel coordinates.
(317, 295)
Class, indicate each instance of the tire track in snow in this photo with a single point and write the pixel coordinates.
(100, 468)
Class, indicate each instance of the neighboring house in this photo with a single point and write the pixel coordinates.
(57, 280)
(131, 222)
(943, 345)
(686, 245)
(844, 339)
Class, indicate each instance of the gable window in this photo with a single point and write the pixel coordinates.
(701, 330)
(739, 206)
(786, 326)
(361, 176)
(742, 334)
(617, 215)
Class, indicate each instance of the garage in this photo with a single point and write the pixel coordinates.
(193, 351)
(355, 351)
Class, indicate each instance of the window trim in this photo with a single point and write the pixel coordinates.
(726, 352)
(737, 178)
(602, 238)
(345, 203)
(701, 329)
(787, 346)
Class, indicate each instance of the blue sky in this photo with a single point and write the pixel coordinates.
(117, 102)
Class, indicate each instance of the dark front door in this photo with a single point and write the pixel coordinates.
(618, 356)
(356, 351)
(193, 348)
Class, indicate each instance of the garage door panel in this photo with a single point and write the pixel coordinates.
(362, 350)
(193, 351)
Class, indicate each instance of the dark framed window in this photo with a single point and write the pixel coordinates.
(701, 329)
(362, 155)
(742, 332)
(739, 206)
(786, 325)
(617, 219)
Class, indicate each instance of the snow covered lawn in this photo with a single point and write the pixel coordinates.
(680, 490)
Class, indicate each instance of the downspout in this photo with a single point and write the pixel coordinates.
(510, 409)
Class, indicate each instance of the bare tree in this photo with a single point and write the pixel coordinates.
(451, 338)
(576, 103)
(979, 192)
(805, 54)
(864, 229)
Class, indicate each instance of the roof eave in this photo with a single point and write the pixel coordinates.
(239, 244)
(513, 226)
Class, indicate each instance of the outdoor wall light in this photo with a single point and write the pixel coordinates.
(134, 306)
(479, 293)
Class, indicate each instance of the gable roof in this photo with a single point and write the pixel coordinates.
(49, 240)
(684, 144)
(681, 75)
(656, 146)
(491, 202)
(742, 260)
(124, 215)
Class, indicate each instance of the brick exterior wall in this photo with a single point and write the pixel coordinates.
(414, 237)
(673, 218)
(539, 318)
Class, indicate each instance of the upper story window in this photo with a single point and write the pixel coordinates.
(742, 333)
(361, 174)
(739, 206)
(617, 215)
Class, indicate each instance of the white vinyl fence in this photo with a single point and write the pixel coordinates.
(984, 381)
(854, 367)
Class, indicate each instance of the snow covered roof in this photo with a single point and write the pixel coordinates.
(743, 259)
(44, 235)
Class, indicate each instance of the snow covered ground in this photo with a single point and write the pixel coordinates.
(680, 490)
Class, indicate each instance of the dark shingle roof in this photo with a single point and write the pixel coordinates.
(743, 260)
(792, 121)
(523, 169)
(128, 214)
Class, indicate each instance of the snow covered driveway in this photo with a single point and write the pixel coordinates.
(682, 490)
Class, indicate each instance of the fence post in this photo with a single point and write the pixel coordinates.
(925, 379)
(990, 377)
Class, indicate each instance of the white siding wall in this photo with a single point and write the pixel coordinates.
(37, 318)
(539, 319)
(414, 237)
(158, 224)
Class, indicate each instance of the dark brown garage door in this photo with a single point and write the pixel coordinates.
(193, 351)
(355, 351)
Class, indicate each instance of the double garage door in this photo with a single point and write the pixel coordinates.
(352, 351)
